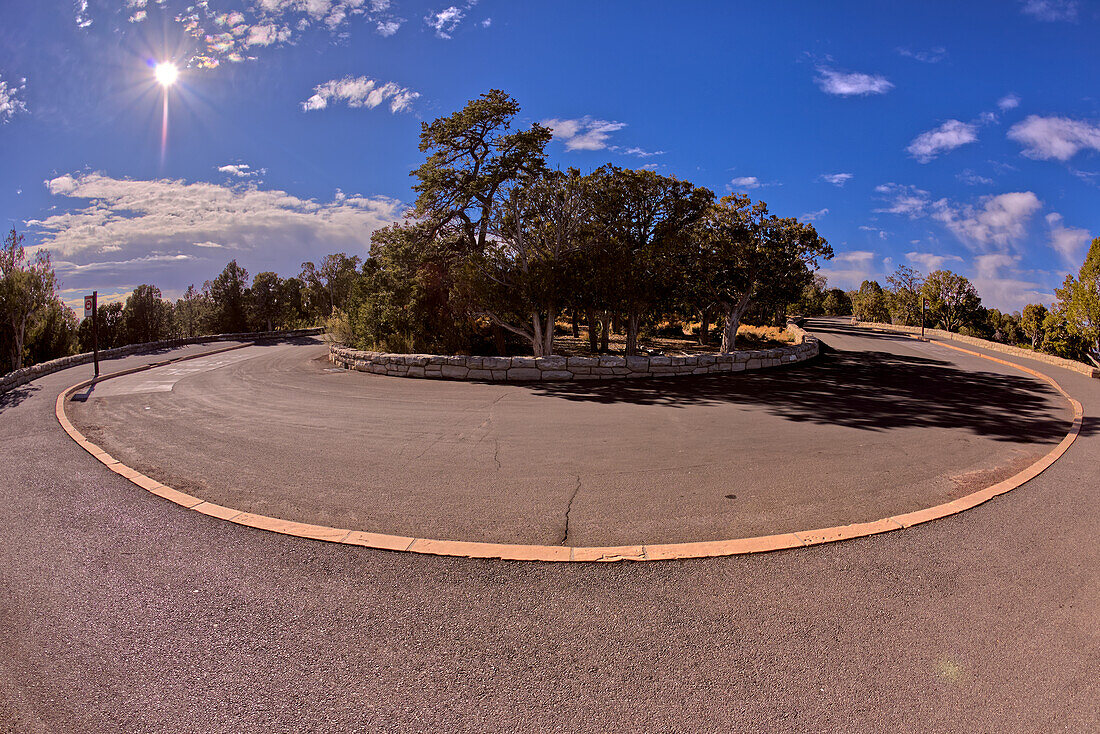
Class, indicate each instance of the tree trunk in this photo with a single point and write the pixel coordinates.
(19, 331)
(632, 323)
(498, 341)
(704, 327)
(548, 337)
(593, 331)
(576, 324)
(537, 340)
(605, 332)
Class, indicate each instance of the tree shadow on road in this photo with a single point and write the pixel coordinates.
(17, 395)
(873, 391)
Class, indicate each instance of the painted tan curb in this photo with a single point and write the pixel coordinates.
(515, 552)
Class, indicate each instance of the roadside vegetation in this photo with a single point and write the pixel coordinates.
(503, 255)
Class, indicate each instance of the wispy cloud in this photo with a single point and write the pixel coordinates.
(743, 183)
(849, 269)
(882, 233)
(1055, 137)
(10, 103)
(903, 200)
(1051, 10)
(1008, 102)
(445, 22)
(970, 178)
(241, 170)
(360, 92)
(930, 261)
(928, 56)
(836, 179)
(998, 222)
(1069, 242)
(948, 136)
(848, 84)
(813, 216)
(583, 133)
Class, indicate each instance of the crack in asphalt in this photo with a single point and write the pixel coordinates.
(569, 509)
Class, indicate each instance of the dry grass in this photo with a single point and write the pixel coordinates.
(748, 337)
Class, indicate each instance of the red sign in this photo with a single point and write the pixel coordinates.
(88, 305)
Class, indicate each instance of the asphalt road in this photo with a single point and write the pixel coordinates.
(857, 436)
(121, 612)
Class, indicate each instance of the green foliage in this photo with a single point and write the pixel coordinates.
(27, 288)
(1079, 302)
(903, 295)
(53, 335)
(327, 288)
(952, 300)
(228, 295)
(146, 316)
(870, 303)
(1060, 337)
(110, 328)
(1031, 323)
(837, 303)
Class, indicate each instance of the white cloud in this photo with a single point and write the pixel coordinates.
(486, 23)
(1008, 102)
(1054, 137)
(847, 84)
(360, 92)
(904, 200)
(930, 261)
(813, 216)
(929, 56)
(1069, 242)
(445, 21)
(849, 269)
(948, 136)
(836, 179)
(1051, 10)
(265, 35)
(1000, 221)
(10, 104)
(583, 133)
(387, 28)
(640, 152)
(1008, 291)
(746, 182)
(241, 170)
(166, 228)
(83, 20)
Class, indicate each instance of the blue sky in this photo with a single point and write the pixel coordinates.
(963, 135)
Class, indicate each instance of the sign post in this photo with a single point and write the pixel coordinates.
(91, 303)
(922, 317)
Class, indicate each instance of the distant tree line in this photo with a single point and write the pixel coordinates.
(37, 326)
(1070, 328)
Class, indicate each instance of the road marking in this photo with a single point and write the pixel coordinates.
(164, 379)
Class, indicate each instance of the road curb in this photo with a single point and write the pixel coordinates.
(516, 552)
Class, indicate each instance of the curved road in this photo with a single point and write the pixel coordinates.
(119, 611)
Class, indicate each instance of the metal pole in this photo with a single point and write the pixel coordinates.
(95, 330)
(922, 317)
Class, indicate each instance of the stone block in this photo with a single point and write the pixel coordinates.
(496, 363)
(638, 364)
(552, 363)
(557, 375)
(454, 372)
(583, 362)
(524, 362)
(608, 361)
(478, 374)
(474, 363)
(524, 373)
(500, 374)
(660, 361)
(415, 371)
(753, 364)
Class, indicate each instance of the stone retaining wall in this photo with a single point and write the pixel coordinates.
(14, 379)
(603, 367)
(1068, 364)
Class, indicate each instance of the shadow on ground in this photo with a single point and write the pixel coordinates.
(874, 391)
(17, 395)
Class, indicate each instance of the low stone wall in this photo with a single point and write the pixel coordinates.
(604, 367)
(1068, 364)
(17, 378)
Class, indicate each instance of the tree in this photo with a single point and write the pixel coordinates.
(194, 313)
(265, 303)
(952, 300)
(1031, 322)
(746, 255)
(26, 291)
(1079, 301)
(227, 294)
(1060, 338)
(53, 335)
(904, 289)
(812, 300)
(146, 316)
(647, 221)
(521, 278)
(869, 303)
(110, 328)
(837, 303)
(330, 284)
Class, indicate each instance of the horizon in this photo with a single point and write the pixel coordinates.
(903, 136)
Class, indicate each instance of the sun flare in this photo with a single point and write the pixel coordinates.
(166, 74)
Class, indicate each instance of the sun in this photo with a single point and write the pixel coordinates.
(166, 74)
